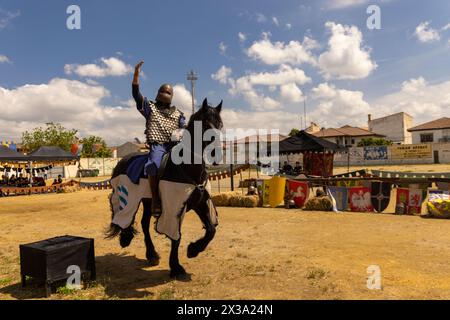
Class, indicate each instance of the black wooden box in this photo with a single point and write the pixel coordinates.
(49, 259)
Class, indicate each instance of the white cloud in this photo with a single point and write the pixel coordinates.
(182, 99)
(425, 102)
(281, 120)
(340, 4)
(77, 105)
(222, 48)
(447, 27)
(6, 17)
(278, 53)
(414, 85)
(338, 106)
(335, 107)
(275, 21)
(259, 101)
(425, 33)
(4, 59)
(107, 67)
(291, 93)
(260, 17)
(288, 26)
(242, 37)
(284, 75)
(72, 103)
(222, 75)
(345, 57)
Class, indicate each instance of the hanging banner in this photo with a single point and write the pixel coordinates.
(318, 164)
(299, 191)
(340, 195)
(411, 200)
(414, 151)
(360, 199)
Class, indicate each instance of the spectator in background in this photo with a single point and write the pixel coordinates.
(287, 168)
(298, 168)
(12, 180)
(59, 179)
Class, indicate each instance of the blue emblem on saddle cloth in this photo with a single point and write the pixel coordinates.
(123, 196)
(135, 170)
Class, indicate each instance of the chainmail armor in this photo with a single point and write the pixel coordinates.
(161, 123)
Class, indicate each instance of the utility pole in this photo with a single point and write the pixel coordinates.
(192, 77)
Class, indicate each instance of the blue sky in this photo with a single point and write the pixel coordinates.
(402, 67)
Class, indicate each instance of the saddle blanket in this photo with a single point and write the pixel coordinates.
(127, 196)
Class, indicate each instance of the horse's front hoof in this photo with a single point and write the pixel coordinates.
(192, 251)
(180, 274)
(153, 260)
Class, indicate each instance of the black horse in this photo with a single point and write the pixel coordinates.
(194, 173)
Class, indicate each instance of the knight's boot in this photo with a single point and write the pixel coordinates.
(156, 201)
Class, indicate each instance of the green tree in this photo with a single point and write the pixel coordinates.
(369, 142)
(294, 132)
(95, 147)
(54, 134)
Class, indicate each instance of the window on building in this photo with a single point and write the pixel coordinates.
(426, 137)
(353, 141)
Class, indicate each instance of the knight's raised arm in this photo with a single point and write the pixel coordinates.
(137, 70)
(141, 102)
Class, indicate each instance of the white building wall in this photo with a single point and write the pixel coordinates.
(437, 135)
(394, 127)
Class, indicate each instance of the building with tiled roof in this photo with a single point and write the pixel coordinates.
(346, 135)
(433, 131)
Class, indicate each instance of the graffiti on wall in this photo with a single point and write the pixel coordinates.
(376, 153)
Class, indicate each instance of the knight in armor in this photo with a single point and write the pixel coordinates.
(162, 119)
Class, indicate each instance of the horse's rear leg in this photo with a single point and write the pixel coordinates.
(200, 245)
(151, 254)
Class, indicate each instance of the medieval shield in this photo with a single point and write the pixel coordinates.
(340, 195)
(380, 195)
(360, 199)
(411, 200)
(299, 192)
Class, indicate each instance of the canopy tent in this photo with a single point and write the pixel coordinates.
(318, 153)
(305, 142)
(52, 155)
(10, 156)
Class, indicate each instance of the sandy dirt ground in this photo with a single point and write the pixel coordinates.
(256, 254)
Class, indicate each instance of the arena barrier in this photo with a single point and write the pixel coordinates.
(17, 191)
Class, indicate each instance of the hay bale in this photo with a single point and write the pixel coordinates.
(234, 199)
(251, 201)
(221, 200)
(323, 203)
(237, 201)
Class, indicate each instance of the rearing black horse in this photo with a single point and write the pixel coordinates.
(191, 172)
